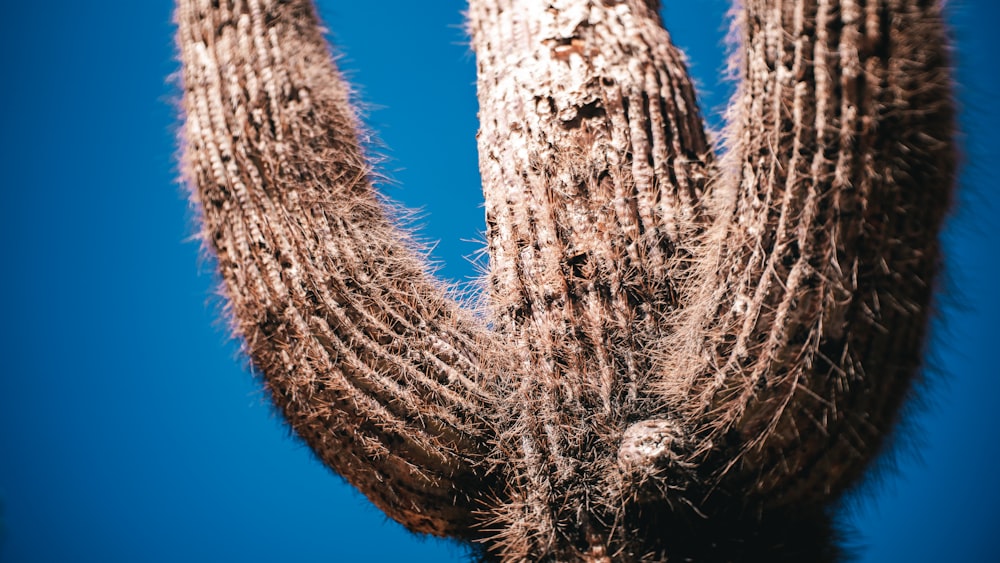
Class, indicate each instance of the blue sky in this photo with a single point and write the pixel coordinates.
(129, 428)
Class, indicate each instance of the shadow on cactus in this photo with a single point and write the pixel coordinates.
(679, 356)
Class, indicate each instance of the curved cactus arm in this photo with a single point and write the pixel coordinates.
(375, 368)
(805, 329)
(594, 161)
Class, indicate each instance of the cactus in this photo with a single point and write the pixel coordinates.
(680, 355)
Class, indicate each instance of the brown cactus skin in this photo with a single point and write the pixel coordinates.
(683, 357)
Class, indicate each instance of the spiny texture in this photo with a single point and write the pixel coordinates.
(684, 358)
(813, 308)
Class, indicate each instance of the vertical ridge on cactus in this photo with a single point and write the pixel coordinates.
(684, 357)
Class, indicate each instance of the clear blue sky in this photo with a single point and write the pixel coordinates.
(129, 430)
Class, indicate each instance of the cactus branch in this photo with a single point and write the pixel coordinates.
(371, 363)
(842, 165)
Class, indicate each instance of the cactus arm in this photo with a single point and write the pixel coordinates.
(816, 308)
(368, 359)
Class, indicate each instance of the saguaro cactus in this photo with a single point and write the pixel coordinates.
(682, 357)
